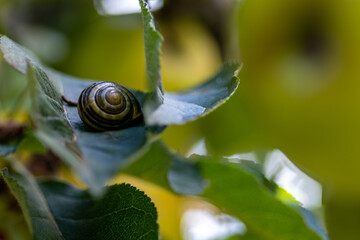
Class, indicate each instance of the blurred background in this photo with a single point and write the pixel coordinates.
(298, 96)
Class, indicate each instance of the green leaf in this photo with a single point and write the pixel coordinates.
(239, 193)
(57, 210)
(98, 156)
(169, 170)
(105, 152)
(181, 107)
(33, 205)
(152, 43)
(47, 110)
(122, 213)
(164, 109)
(16, 56)
(95, 156)
(52, 127)
(312, 221)
(153, 166)
(240, 189)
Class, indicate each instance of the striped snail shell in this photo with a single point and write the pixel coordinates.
(108, 106)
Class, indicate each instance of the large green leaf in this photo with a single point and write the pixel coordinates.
(56, 210)
(240, 189)
(122, 213)
(106, 152)
(239, 193)
(97, 156)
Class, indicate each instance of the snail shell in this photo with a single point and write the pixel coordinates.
(108, 106)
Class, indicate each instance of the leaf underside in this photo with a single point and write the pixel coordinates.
(97, 156)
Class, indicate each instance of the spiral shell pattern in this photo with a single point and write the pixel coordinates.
(108, 106)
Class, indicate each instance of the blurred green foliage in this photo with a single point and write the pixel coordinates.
(301, 86)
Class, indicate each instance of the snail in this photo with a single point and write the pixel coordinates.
(108, 106)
